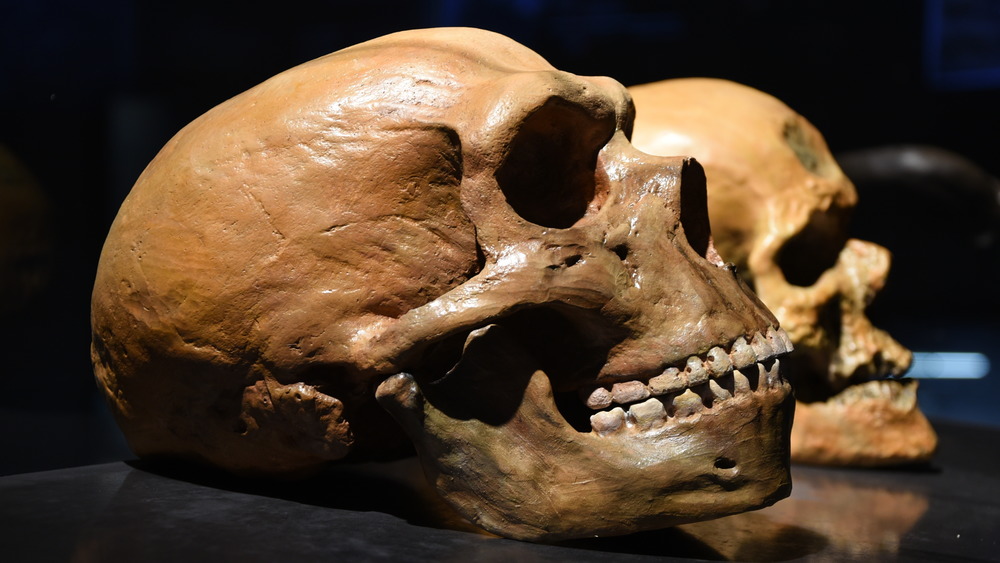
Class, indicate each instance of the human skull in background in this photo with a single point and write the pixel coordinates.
(441, 219)
(779, 207)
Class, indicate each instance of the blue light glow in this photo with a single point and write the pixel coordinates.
(949, 365)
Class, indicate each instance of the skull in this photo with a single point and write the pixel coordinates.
(780, 206)
(439, 225)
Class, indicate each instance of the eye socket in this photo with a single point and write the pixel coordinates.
(813, 250)
(548, 176)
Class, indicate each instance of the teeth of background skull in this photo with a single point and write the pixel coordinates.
(775, 341)
(670, 381)
(742, 354)
(696, 372)
(901, 395)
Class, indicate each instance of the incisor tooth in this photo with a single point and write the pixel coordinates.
(761, 347)
(786, 340)
(648, 413)
(777, 344)
(718, 362)
(599, 398)
(696, 372)
(687, 403)
(629, 392)
(672, 379)
(606, 422)
(742, 354)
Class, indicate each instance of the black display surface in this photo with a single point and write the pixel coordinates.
(130, 511)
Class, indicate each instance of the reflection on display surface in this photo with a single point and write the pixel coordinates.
(829, 513)
(847, 518)
(947, 510)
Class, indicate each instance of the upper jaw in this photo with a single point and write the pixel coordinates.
(722, 376)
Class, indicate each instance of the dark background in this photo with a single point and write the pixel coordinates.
(90, 91)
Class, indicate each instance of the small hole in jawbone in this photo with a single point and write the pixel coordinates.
(621, 251)
(724, 463)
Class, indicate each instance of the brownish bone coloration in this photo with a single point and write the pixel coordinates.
(441, 216)
(779, 205)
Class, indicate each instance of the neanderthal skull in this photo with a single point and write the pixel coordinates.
(779, 207)
(443, 221)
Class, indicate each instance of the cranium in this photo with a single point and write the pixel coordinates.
(779, 205)
(442, 219)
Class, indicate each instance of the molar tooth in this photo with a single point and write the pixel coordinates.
(647, 413)
(719, 392)
(740, 382)
(687, 403)
(629, 392)
(599, 398)
(761, 347)
(671, 380)
(607, 422)
(777, 344)
(696, 372)
(718, 362)
(742, 354)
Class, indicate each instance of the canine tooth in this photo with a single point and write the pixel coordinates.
(719, 392)
(606, 422)
(742, 354)
(740, 382)
(696, 372)
(629, 392)
(687, 403)
(671, 380)
(647, 413)
(777, 344)
(718, 362)
(599, 398)
(761, 347)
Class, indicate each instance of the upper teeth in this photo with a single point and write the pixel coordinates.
(683, 392)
